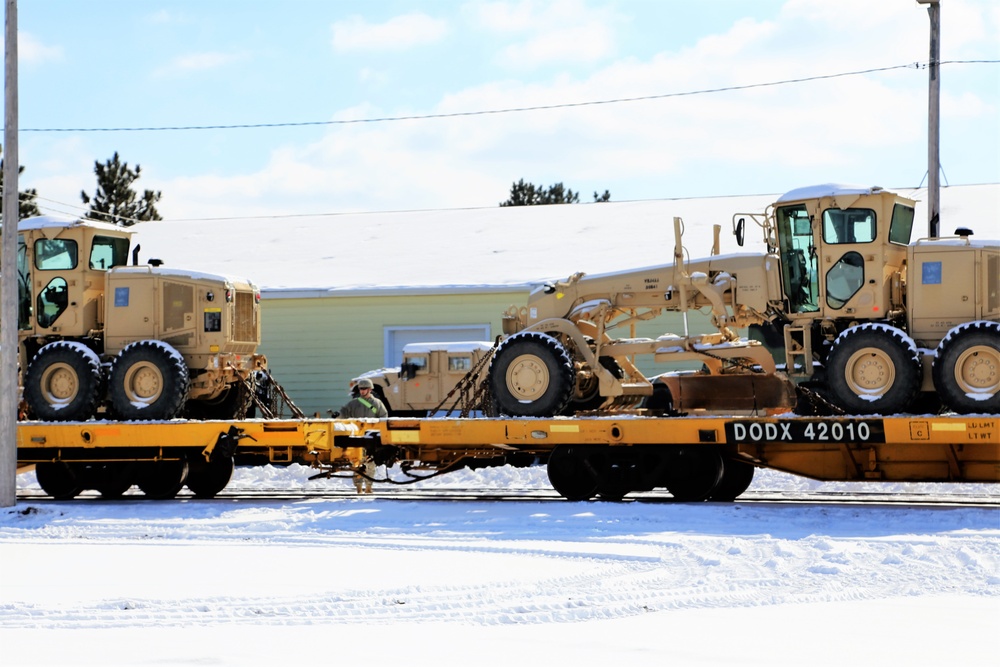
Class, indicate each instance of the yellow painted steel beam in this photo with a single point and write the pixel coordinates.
(921, 448)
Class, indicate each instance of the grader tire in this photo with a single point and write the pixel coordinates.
(63, 382)
(531, 376)
(873, 369)
(148, 381)
(966, 368)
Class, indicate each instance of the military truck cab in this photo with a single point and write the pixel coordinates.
(427, 373)
(143, 341)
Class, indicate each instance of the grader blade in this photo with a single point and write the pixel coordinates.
(743, 393)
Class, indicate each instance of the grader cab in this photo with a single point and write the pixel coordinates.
(861, 318)
(141, 342)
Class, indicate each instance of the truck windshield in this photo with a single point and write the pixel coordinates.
(798, 258)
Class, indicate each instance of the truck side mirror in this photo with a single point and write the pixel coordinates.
(408, 371)
(739, 231)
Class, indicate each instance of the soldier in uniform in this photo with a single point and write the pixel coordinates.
(364, 406)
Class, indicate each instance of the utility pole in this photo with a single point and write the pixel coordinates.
(8, 270)
(934, 121)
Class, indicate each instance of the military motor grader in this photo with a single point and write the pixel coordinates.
(143, 342)
(854, 310)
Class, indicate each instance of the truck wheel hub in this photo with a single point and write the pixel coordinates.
(870, 372)
(60, 384)
(527, 378)
(143, 383)
(978, 370)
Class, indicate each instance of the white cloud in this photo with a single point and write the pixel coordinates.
(861, 128)
(550, 32)
(397, 34)
(199, 62)
(31, 50)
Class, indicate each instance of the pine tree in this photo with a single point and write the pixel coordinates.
(115, 201)
(26, 206)
(527, 194)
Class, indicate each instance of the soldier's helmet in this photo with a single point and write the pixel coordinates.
(365, 383)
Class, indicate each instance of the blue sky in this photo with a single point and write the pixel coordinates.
(178, 63)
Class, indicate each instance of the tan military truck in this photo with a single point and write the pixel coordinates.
(853, 308)
(140, 342)
(427, 375)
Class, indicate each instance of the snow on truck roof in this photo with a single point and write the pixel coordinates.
(453, 346)
(186, 273)
(48, 221)
(829, 190)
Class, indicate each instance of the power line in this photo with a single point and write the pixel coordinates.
(540, 107)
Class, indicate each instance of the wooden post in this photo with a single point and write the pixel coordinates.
(934, 121)
(8, 271)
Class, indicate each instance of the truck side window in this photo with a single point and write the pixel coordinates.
(52, 301)
(844, 279)
(55, 254)
(108, 251)
(901, 225)
(852, 225)
(459, 364)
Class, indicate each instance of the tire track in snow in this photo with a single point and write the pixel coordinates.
(687, 572)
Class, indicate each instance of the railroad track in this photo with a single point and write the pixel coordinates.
(984, 500)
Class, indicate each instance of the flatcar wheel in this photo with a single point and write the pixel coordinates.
(113, 479)
(736, 478)
(571, 473)
(207, 478)
(693, 472)
(59, 479)
(161, 480)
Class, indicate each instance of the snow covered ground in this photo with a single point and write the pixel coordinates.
(389, 579)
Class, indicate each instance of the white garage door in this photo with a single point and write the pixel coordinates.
(397, 337)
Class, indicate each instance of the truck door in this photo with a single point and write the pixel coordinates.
(846, 233)
(798, 259)
(56, 260)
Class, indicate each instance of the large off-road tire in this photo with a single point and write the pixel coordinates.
(966, 368)
(63, 382)
(148, 381)
(873, 369)
(531, 376)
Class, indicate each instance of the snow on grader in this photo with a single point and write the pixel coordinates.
(862, 319)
